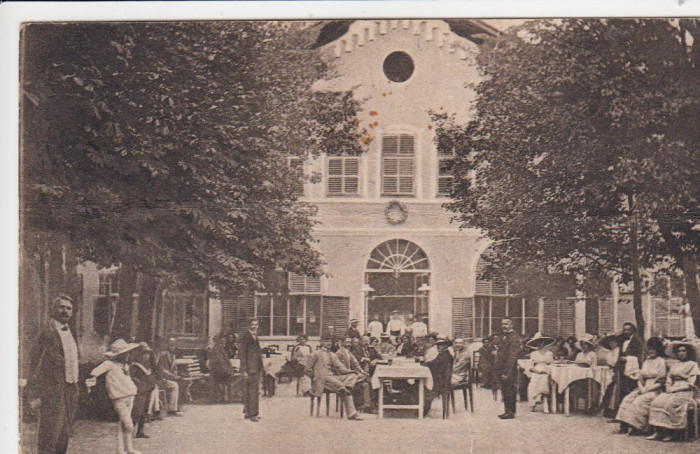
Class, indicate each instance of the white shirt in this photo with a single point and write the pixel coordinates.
(395, 325)
(419, 329)
(70, 351)
(375, 329)
(431, 353)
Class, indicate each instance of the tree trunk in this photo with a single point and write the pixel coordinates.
(636, 274)
(692, 293)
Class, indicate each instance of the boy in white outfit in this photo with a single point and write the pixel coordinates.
(120, 388)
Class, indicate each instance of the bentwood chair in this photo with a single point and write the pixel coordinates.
(338, 404)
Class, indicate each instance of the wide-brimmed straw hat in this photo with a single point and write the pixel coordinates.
(354, 319)
(585, 339)
(605, 342)
(120, 346)
(539, 341)
(673, 345)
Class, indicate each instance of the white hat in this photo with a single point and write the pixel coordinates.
(587, 339)
(120, 346)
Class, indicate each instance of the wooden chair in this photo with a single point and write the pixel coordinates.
(466, 387)
(693, 416)
(338, 404)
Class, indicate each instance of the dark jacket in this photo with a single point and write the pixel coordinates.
(250, 354)
(408, 350)
(635, 348)
(354, 333)
(219, 361)
(440, 368)
(506, 362)
(47, 366)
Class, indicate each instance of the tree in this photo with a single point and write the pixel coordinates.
(164, 147)
(579, 150)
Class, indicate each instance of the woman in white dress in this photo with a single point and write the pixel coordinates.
(668, 413)
(634, 408)
(541, 357)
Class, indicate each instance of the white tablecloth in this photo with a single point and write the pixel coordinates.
(400, 371)
(564, 374)
(274, 364)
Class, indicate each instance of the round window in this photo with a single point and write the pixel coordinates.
(398, 66)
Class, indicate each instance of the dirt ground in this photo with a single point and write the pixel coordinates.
(286, 427)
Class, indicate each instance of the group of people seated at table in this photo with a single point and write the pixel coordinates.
(345, 364)
(652, 384)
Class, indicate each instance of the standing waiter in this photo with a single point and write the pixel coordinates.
(506, 367)
(252, 370)
(53, 381)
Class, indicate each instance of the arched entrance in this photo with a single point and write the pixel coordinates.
(396, 271)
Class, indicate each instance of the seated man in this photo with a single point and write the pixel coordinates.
(167, 380)
(361, 388)
(327, 372)
(462, 363)
(386, 348)
(221, 370)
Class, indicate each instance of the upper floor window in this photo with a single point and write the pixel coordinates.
(445, 177)
(298, 165)
(398, 155)
(343, 176)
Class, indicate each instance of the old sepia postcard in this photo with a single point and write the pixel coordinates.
(355, 228)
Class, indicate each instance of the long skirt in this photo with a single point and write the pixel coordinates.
(634, 409)
(669, 410)
(538, 387)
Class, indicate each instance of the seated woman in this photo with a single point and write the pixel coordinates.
(634, 408)
(585, 389)
(406, 347)
(541, 357)
(668, 410)
(572, 347)
(586, 354)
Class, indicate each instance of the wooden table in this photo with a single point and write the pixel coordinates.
(402, 372)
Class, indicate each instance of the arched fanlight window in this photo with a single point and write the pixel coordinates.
(398, 256)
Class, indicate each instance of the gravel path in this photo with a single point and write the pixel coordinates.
(287, 428)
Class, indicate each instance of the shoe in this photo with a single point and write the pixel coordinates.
(507, 416)
(255, 418)
(654, 436)
(667, 438)
(502, 415)
(142, 435)
(355, 417)
(174, 413)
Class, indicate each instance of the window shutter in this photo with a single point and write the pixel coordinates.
(558, 317)
(304, 284)
(390, 144)
(406, 144)
(462, 317)
(334, 315)
(606, 319)
(235, 312)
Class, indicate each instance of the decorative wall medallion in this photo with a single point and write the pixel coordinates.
(395, 212)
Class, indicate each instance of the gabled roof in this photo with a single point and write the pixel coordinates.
(474, 30)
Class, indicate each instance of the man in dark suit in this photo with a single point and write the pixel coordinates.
(506, 367)
(52, 385)
(252, 370)
(440, 370)
(631, 349)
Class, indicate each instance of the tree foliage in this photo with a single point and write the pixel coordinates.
(583, 156)
(164, 146)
